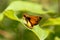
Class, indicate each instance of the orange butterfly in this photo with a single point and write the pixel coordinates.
(31, 20)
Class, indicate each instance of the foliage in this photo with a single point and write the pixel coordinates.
(12, 25)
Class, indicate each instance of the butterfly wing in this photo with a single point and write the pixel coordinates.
(31, 20)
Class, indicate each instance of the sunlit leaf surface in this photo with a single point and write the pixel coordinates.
(1, 16)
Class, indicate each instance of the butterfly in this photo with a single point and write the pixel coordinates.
(31, 20)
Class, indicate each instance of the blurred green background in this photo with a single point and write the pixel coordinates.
(13, 29)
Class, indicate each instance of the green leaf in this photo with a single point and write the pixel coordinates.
(1, 16)
(36, 33)
(52, 21)
(29, 35)
(11, 14)
(27, 6)
(42, 34)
